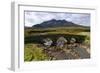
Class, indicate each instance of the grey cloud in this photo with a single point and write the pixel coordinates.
(37, 17)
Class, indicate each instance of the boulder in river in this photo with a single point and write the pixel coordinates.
(73, 40)
(47, 42)
(61, 42)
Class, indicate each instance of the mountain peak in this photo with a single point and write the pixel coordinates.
(55, 23)
(53, 20)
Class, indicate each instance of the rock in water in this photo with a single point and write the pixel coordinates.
(73, 40)
(61, 41)
(47, 42)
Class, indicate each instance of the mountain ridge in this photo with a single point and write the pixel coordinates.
(56, 23)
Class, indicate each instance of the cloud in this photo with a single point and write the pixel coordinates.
(32, 18)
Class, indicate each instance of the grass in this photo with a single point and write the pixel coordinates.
(34, 53)
(34, 37)
(58, 30)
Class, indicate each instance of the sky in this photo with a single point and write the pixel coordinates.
(33, 17)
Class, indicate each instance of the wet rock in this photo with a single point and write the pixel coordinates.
(61, 42)
(47, 42)
(73, 40)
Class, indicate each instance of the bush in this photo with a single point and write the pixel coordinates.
(87, 40)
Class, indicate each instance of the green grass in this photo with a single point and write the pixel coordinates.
(59, 30)
(34, 53)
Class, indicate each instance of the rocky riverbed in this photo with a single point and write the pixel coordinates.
(68, 52)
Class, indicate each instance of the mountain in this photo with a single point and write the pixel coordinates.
(56, 23)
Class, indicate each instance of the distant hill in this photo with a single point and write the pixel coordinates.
(56, 23)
